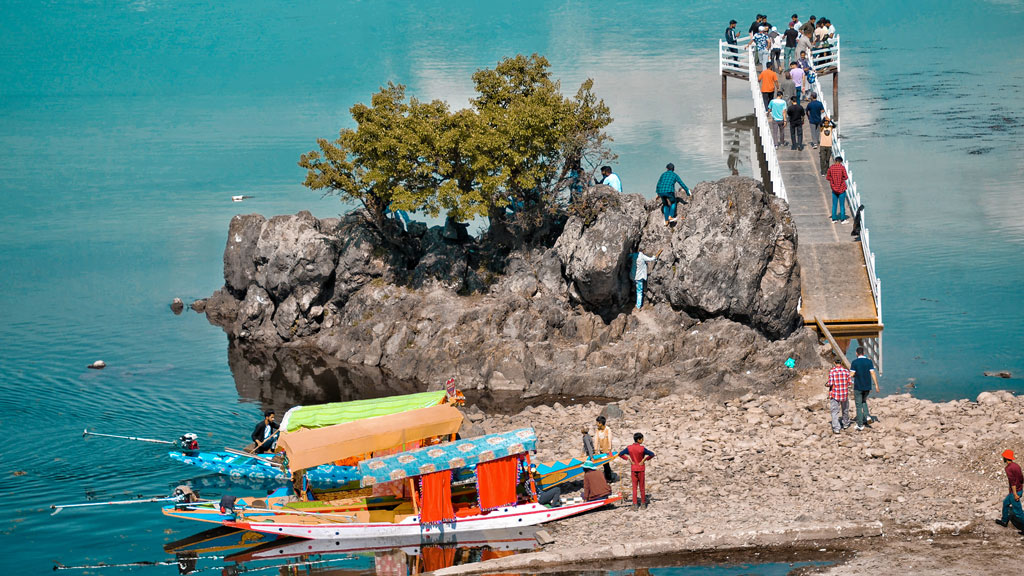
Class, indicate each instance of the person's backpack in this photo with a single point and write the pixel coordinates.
(632, 266)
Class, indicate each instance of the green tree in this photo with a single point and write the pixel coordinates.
(514, 146)
(380, 163)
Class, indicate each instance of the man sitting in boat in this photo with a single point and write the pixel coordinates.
(595, 487)
(265, 434)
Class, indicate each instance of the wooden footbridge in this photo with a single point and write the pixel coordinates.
(841, 295)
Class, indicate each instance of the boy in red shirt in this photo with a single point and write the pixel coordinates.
(638, 457)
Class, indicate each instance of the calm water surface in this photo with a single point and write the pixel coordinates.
(125, 128)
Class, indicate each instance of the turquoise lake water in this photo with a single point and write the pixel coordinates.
(125, 128)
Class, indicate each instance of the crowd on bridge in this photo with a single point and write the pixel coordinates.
(789, 90)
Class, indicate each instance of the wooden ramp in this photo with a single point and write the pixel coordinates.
(834, 279)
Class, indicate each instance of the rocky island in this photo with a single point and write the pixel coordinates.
(722, 317)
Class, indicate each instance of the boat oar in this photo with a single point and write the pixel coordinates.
(87, 433)
(256, 456)
(58, 507)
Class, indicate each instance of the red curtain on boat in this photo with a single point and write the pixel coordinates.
(496, 482)
(436, 498)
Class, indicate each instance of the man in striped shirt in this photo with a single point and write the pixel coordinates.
(839, 395)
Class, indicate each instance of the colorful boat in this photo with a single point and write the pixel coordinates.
(501, 462)
(552, 474)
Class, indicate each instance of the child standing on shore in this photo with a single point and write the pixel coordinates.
(638, 456)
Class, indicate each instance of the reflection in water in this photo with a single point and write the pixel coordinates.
(287, 377)
(232, 551)
(738, 144)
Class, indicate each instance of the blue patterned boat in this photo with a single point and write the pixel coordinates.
(238, 466)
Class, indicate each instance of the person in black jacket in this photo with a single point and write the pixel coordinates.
(265, 433)
(795, 113)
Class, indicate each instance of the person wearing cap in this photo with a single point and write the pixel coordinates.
(595, 487)
(265, 433)
(1011, 504)
(762, 48)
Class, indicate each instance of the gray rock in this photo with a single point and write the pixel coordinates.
(999, 374)
(240, 253)
(733, 255)
(611, 412)
(988, 399)
(177, 306)
(294, 257)
(596, 255)
(198, 305)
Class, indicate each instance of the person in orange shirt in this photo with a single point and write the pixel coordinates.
(769, 83)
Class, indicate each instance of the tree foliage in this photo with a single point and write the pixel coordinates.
(508, 156)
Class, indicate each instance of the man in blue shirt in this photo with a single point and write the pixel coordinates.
(814, 111)
(863, 374)
(777, 111)
(610, 178)
(666, 191)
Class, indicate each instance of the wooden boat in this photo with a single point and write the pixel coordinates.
(552, 474)
(500, 460)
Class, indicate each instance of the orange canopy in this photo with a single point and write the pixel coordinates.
(307, 448)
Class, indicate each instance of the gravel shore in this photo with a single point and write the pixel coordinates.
(760, 465)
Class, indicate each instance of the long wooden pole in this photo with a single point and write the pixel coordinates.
(835, 94)
(415, 500)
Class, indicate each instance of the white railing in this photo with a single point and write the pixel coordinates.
(764, 128)
(851, 186)
(826, 57)
(730, 58)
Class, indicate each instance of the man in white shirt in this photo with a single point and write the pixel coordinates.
(610, 178)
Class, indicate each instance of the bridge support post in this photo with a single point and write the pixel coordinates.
(835, 95)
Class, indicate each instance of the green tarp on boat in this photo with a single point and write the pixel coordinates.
(322, 415)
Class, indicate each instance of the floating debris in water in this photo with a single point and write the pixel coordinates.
(97, 365)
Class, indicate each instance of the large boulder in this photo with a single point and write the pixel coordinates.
(240, 253)
(733, 255)
(362, 257)
(595, 248)
(293, 257)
